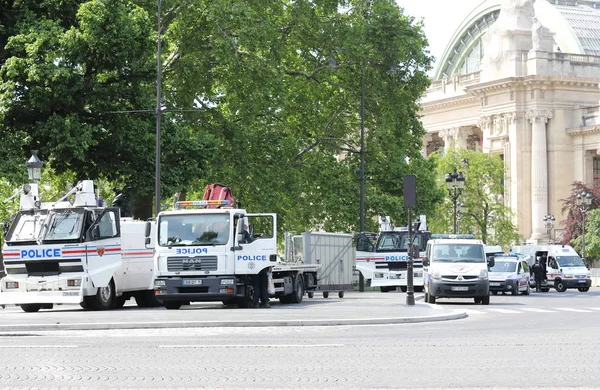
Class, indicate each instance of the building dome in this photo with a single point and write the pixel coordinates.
(575, 24)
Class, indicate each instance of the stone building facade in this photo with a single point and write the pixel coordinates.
(521, 79)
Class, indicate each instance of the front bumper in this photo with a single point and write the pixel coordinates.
(202, 289)
(38, 290)
(576, 283)
(454, 289)
(503, 286)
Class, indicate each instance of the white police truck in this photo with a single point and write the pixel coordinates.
(455, 266)
(73, 251)
(202, 254)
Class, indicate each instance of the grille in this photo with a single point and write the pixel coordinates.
(39, 268)
(465, 277)
(202, 263)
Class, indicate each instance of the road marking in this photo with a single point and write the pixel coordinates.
(505, 311)
(39, 346)
(533, 309)
(251, 346)
(474, 312)
(573, 310)
(593, 308)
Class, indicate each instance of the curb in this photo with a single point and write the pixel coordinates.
(454, 315)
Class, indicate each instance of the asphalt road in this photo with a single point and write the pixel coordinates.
(546, 340)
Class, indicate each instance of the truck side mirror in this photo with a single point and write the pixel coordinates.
(148, 229)
(491, 261)
(425, 261)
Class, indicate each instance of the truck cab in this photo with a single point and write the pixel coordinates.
(455, 266)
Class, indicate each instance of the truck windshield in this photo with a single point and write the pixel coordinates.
(458, 253)
(569, 261)
(398, 241)
(26, 226)
(194, 229)
(503, 266)
(64, 225)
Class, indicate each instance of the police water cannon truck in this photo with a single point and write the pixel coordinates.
(383, 257)
(73, 251)
(207, 250)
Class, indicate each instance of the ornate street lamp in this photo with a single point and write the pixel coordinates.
(583, 202)
(455, 183)
(34, 167)
(549, 222)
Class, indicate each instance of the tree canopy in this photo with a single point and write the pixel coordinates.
(267, 97)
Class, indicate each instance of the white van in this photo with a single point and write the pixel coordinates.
(564, 268)
(456, 267)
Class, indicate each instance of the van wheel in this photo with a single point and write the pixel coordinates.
(516, 290)
(403, 288)
(173, 305)
(310, 294)
(477, 300)
(526, 292)
(430, 298)
(325, 294)
(494, 292)
(485, 300)
(560, 286)
(583, 289)
(341, 294)
(31, 307)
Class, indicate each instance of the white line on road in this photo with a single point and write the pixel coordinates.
(573, 310)
(505, 311)
(251, 345)
(474, 312)
(535, 310)
(39, 346)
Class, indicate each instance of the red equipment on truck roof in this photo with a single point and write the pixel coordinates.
(218, 192)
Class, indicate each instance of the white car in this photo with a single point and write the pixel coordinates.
(510, 273)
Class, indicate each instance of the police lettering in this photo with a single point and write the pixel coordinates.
(40, 253)
(396, 258)
(191, 251)
(253, 258)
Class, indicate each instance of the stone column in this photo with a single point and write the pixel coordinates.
(539, 171)
(426, 140)
(485, 124)
(447, 137)
(462, 136)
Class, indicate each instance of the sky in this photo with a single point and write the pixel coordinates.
(440, 17)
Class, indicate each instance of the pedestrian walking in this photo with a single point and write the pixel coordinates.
(538, 274)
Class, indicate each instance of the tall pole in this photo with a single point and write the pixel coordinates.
(158, 112)
(362, 149)
(410, 290)
(454, 198)
(583, 237)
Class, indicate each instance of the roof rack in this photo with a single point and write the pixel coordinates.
(453, 236)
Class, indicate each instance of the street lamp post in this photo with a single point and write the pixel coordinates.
(583, 201)
(34, 167)
(549, 222)
(455, 183)
(460, 209)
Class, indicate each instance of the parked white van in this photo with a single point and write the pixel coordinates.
(564, 268)
(455, 266)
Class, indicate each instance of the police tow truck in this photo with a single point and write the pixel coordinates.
(204, 253)
(383, 257)
(74, 252)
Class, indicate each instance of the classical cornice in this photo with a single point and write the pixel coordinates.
(532, 82)
(448, 102)
(584, 130)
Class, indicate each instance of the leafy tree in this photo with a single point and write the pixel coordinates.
(279, 84)
(574, 216)
(484, 214)
(592, 236)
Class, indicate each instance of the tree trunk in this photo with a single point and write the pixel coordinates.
(142, 207)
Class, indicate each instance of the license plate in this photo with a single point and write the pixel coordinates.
(460, 288)
(494, 284)
(419, 275)
(192, 282)
(582, 281)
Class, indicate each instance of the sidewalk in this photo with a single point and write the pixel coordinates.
(354, 309)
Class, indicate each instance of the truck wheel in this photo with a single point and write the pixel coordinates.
(298, 294)
(485, 300)
(147, 299)
(310, 294)
(341, 294)
(583, 289)
(31, 307)
(325, 294)
(418, 288)
(104, 298)
(560, 286)
(248, 299)
(477, 300)
(494, 292)
(403, 288)
(516, 290)
(173, 305)
(430, 298)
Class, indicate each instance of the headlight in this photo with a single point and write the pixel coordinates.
(569, 276)
(74, 282)
(378, 275)
(436, 275)
(226, 281)
(159, 283)
(483, 274)
(12, 285)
